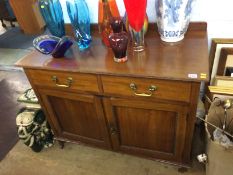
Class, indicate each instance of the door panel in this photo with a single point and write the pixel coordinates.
(79, 118)
(147, 128)
(76, 117)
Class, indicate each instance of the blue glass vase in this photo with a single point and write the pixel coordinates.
(49, 44)
(51, 11)
(79, 17)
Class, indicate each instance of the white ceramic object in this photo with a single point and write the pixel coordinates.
(173, 18)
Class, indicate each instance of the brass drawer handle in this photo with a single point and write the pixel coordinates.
(69, 82)
(151, 88)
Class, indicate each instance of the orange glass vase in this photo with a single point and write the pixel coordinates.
(107, 10)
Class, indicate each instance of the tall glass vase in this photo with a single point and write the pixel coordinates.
(136, 13)
(53, 16)
(107, 11)
(79, 17)
(145, 25)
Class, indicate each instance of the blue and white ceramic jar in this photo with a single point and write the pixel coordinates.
(173, 18)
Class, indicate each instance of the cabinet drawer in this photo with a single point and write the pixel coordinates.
(152, 88)
(64, 80)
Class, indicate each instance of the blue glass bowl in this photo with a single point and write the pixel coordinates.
(48, 44)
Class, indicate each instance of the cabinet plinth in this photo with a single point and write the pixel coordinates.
(144, 107)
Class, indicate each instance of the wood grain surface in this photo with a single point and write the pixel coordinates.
(159, 60)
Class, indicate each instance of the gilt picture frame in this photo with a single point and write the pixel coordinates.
(223, 81)
(215, 50)
(225, 60)
(221, 90)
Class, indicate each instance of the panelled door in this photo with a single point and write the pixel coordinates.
(76, 117)
(147, 128)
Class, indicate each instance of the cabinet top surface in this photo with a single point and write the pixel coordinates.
(186, 60)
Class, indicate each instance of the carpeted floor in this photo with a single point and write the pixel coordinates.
(12, 84)
(14, 38)
(83, 160)
(14, 44)
(9, 56)
(8, 108)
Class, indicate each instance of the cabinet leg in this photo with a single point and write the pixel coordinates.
(182, 170)
(61, 144)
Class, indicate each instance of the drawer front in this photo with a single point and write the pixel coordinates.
(151, 88)
(64, 80)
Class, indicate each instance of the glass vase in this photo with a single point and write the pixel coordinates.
(137, 39)
(118, 43)
(117, 25)
(136, 13)
(107, 11)
(51, 11)
(145, 25)
(49, 44)
(79, 17)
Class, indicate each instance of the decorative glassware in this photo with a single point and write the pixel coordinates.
(79, 16)
(117, 24)
(173, 18)
(107, 10)
(118, 43)
(53, 16)
(136, 12)
(145, 25)
(48, 44)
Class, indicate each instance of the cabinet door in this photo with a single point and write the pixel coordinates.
(147, 128)
(76, 117)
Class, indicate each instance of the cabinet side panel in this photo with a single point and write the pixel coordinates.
(191, 122)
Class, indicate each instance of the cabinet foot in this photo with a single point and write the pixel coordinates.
(182, 170)
(61, 144)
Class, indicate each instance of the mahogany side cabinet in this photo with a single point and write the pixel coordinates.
(146, 106)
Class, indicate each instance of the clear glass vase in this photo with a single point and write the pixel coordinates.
(136, 13)
(51, 11)
(137, 39)
(79, 17)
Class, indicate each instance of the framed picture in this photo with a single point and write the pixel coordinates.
(221, 90)
(215, 50)
(229, 71)
(222, 97)
(225, 62)
(223, 81)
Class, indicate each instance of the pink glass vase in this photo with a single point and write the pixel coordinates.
(136, 12)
